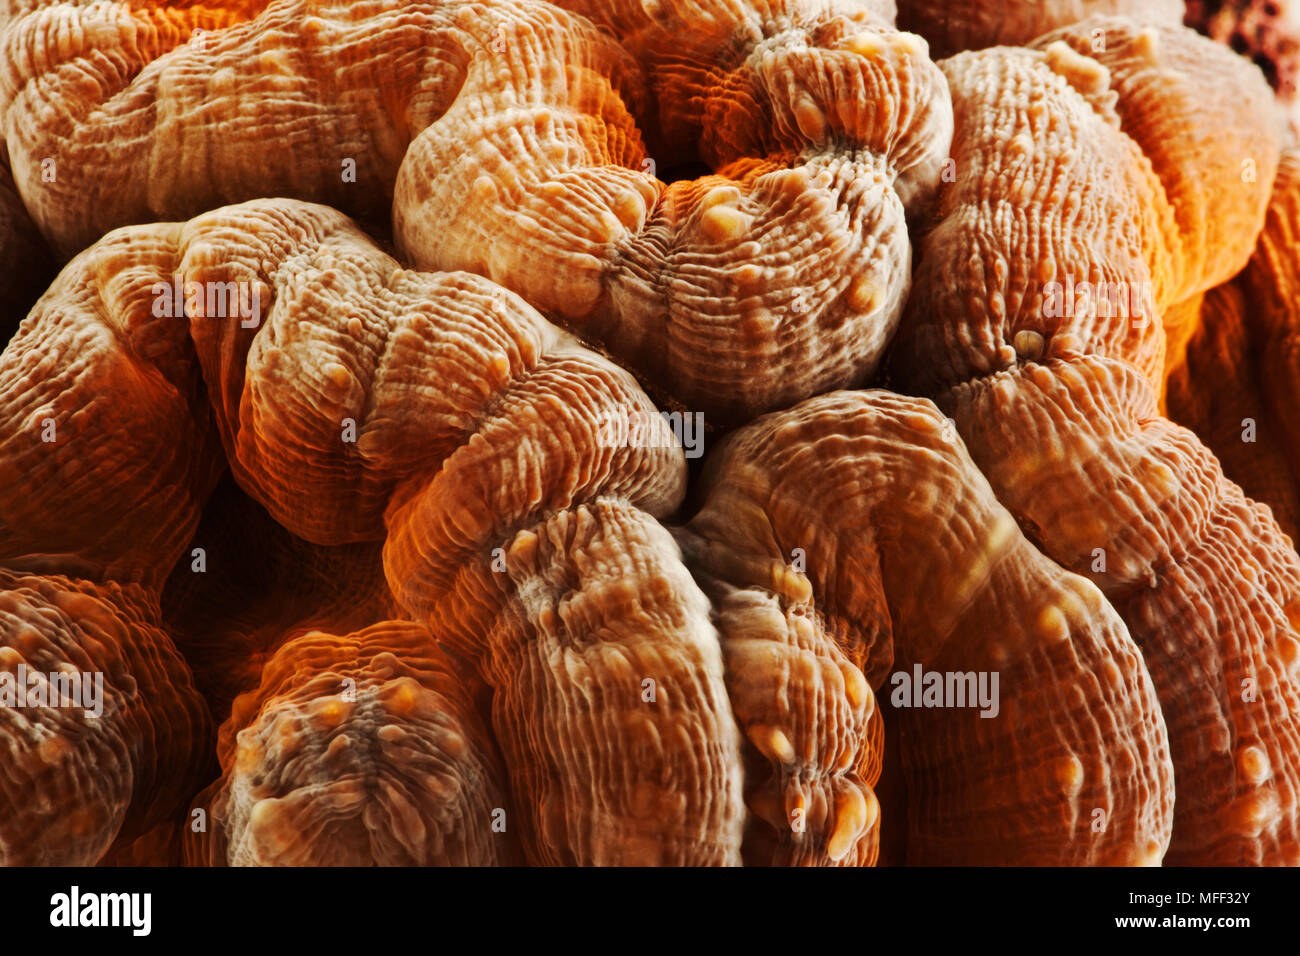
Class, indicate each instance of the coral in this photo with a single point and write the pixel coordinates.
(103, 414)
(558, 199)
(246, 585)
(911, 560)
(358, 750)
(336, 449)
(1216, 393)
(74, 780)
(1059, 411)
(1266, 31)
(1235, 388)
(952, 26)
(99, 444)
(1271, 284)
(371, 404)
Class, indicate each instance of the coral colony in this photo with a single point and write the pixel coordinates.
(358, 360)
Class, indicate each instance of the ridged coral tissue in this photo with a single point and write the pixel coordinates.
(649, 433)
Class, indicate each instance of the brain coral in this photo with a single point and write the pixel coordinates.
(345, 447)
(690, 283)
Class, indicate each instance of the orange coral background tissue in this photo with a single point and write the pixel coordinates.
(649, 432)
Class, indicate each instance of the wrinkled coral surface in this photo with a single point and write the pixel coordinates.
(349, 510)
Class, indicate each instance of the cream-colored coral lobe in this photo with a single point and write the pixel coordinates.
(347, 514)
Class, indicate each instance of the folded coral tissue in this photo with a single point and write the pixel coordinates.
(649, 432)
